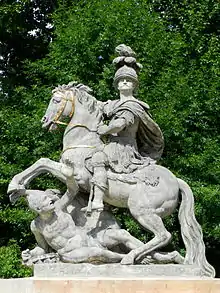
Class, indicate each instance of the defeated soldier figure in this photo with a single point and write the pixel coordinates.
(55, 231)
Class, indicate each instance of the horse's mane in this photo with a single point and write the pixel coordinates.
(72, 86)
(84, 93)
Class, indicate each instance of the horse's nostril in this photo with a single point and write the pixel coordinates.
(44, 119)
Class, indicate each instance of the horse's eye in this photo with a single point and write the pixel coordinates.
(56, 101)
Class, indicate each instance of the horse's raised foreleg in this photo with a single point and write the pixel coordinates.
(43, 165)
(151, 222)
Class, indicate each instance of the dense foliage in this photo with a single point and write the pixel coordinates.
(25, 32)
(178, 46)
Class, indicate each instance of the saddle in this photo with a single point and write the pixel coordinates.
(144, 174)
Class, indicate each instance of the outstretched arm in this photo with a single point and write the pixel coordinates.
(41, 242)
(114, 126)
(65, 201)
(118, 123)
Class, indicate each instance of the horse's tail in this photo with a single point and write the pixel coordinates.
(191, 232)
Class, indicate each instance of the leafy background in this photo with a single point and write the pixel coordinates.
(46, 43)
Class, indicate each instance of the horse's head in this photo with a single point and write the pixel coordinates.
(72, 99)
(61, 105)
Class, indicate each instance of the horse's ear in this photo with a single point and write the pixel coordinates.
(73, 83)
(56, 88)
(85, 88)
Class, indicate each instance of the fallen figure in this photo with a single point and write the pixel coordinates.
(59, 239)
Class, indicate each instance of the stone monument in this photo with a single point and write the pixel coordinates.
(109, 158)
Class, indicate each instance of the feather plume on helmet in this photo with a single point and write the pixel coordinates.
(126, 65)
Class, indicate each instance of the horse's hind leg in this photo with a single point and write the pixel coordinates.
(162, 257)
(151, 222)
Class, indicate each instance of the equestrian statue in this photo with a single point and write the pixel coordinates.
(110, 153)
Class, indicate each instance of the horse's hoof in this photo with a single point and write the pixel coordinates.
(178, 258)
(127, 260)
(15, 196)
(15, 190)
(12, 187)
(15, 187)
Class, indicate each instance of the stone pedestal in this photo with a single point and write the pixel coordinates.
(127, 286)
(94, 285)
(115, 271)
(112, 278)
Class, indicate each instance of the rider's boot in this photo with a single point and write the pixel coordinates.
(97, 203)
(99, 181)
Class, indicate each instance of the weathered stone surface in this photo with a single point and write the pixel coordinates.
(115, 271)
(24, 285)
(120, 171)
(110, 286)
(127, 286)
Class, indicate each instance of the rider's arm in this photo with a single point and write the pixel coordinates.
(115, 126)
(118, 123)
(65, 201)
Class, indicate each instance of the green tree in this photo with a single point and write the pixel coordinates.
(25, 32)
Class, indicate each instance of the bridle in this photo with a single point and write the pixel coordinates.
(59, 114)
(63, 106)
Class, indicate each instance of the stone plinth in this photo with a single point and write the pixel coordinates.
(112, 278)
(60, 270)
(34, 285)
(126, 286)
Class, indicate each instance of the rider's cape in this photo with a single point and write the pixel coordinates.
(149, 137)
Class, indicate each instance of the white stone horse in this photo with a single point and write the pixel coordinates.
(148, 203)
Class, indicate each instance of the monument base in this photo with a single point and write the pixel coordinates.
(76, 285)
(115, 271)
(112, 278)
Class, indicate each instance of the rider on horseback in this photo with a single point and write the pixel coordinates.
(134, 139)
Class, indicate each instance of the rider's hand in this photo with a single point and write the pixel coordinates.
(102, 129)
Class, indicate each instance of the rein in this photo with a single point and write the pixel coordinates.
(63, 105)
(78, 146)
(75, 125)
(60, 112)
